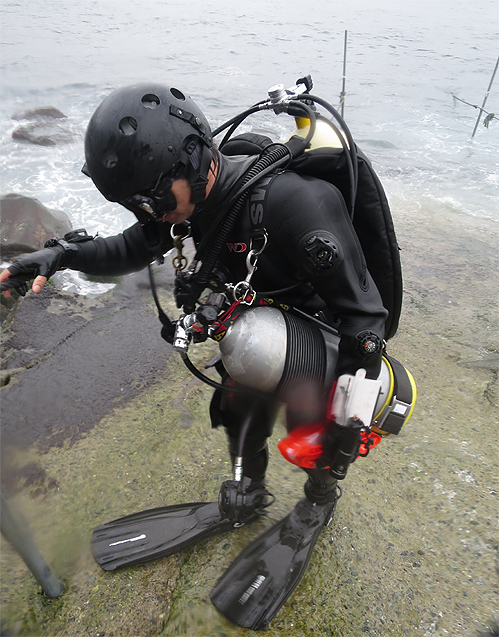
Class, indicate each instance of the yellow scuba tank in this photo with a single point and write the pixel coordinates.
(335, 442)
(324, 137)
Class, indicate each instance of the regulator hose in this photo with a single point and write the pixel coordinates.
(237, 119)
(237, 389)
(276, 157)
(272, 157)
(168, 329)
(350, 150)
(297, 101)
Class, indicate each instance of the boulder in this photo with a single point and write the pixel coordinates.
(43, 133)
(26, 224)
(41, 112)
(45, 127)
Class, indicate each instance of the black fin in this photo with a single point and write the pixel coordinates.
(155, 533)
(263, 576)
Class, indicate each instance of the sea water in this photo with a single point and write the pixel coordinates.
(404, 64)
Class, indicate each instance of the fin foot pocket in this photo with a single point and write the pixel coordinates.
(263, 576)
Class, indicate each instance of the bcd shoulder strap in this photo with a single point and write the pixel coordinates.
(252, 144)
(257, 201)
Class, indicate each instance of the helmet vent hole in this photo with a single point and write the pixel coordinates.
(110, 160)
(178, 94)
(151, 101)
(128, 125)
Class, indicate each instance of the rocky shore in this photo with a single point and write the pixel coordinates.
(99, 419)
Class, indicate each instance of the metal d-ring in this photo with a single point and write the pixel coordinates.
(257, 253)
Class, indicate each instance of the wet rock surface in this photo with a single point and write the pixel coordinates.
(45, 126)
(44, 133)
(412, 549)
(26, 224)
(68, 360)
(41, 112)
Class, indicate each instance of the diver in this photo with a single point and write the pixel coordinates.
(261, 231)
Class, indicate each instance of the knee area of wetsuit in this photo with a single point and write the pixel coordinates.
(253, 445)
(231, 411)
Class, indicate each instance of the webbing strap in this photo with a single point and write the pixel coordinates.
(257, 199)
(402, 384)
(402, 398)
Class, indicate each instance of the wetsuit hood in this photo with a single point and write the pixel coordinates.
(231, 171)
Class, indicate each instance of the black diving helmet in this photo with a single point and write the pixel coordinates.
(139, 140)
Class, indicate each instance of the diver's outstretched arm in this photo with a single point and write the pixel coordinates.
(112, 256)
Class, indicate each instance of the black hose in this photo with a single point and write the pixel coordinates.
(168, 330)
(350, 150)
(238, 118)
(243, 433)
(310, 115)
(195, 371)
(236, 121)
(215, 385)
(267, 162)
(337, 117)
(235, 125)
(263, 165)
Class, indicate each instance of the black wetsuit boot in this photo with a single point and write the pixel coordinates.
(245, 498)
(321, 487)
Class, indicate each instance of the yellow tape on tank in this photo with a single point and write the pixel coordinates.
(389, 398)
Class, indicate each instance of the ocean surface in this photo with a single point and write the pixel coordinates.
(404, 64)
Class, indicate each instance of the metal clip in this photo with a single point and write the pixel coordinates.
(243, 291)
(243, 288)
(179, 261)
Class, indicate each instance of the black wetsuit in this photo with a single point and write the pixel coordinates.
(296, 209)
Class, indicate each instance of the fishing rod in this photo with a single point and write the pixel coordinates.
(489, 116)
(485, 98)
(343, 92)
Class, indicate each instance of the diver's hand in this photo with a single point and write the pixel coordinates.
(40, 265)
(7, 282)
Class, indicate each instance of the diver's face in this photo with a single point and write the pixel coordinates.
(182, 192)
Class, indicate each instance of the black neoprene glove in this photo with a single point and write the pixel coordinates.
(43, 262)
